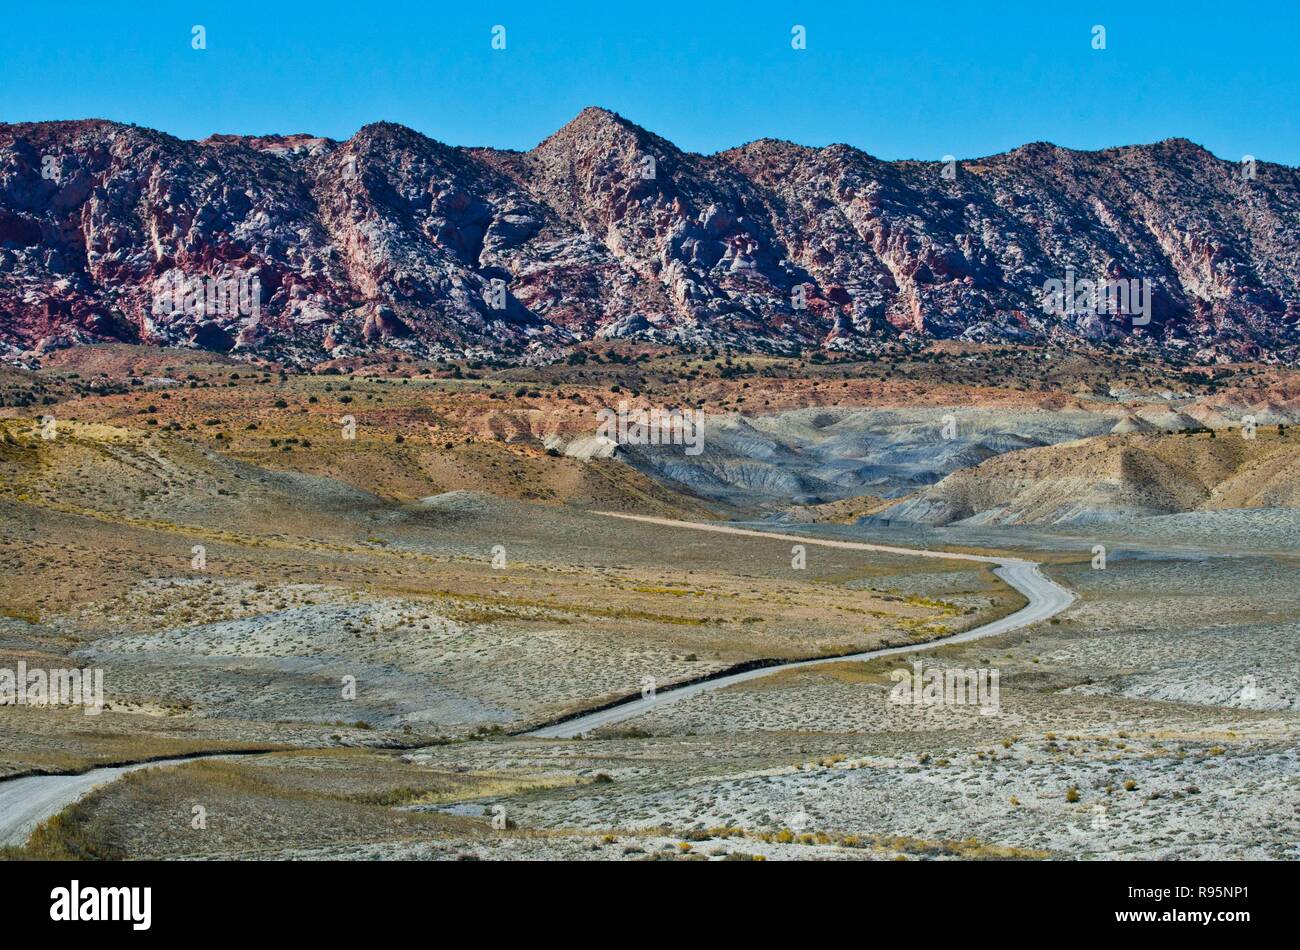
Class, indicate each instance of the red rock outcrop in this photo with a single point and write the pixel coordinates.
(393, 240)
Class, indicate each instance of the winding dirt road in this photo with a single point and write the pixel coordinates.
(1046, 598)
(26, 802)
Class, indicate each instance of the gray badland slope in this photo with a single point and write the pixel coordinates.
(810, 456)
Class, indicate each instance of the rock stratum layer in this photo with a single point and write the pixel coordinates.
(393, 241)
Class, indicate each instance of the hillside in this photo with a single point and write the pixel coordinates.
(1116, 477)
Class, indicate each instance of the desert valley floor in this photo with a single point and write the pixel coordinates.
(344, 640)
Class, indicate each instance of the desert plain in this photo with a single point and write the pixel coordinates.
(334, 604)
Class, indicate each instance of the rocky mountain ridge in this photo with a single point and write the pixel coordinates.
(393, 241)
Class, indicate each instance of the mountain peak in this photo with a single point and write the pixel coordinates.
(599, 115)
(384, 129)
(595, 123)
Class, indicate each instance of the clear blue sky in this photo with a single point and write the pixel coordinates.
(913, 79)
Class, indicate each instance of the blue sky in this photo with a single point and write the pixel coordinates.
(915, 79)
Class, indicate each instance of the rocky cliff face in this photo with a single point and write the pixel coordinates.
(321, 249)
